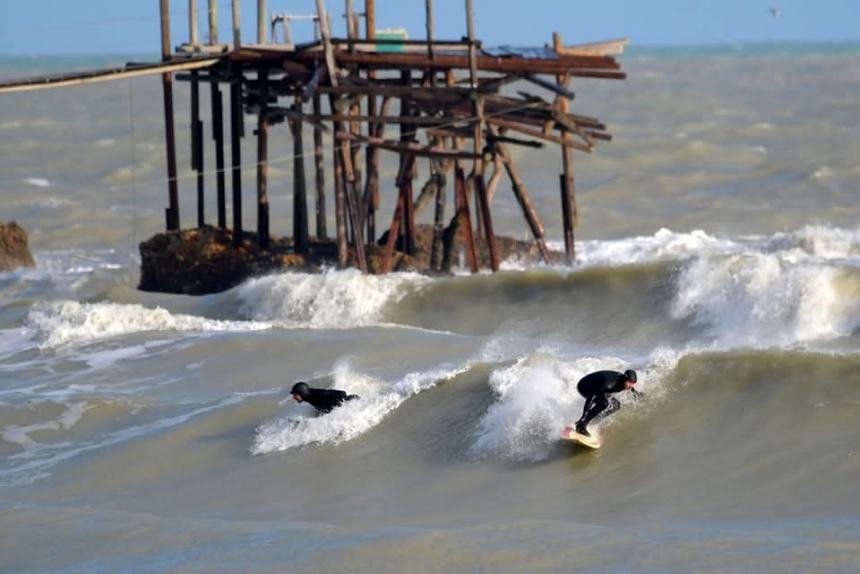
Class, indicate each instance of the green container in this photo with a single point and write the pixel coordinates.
(391, 34)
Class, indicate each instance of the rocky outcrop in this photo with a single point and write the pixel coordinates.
(204, 260)
(14, 251)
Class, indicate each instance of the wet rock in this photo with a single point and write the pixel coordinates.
(14, 251)
(204, 260)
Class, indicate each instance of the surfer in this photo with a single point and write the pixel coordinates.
(323, 400)
(595, 386)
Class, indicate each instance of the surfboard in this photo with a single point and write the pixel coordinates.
(571, 435)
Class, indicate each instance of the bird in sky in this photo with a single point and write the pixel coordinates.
(774, 12)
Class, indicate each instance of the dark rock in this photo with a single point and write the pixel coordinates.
(14, 251)
(203, 260)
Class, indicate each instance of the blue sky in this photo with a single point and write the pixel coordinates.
(132, 26)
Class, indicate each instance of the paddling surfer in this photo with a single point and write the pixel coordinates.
(595, 387)
(323, 400)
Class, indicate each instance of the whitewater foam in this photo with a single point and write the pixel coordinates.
(536, 397)
(70, 322)
(332, 299)
(377, 399)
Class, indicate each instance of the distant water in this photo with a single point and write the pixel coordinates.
(718, 255)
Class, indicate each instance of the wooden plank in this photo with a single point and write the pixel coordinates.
(605, 48)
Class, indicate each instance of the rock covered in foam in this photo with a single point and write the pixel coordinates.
(14, 251)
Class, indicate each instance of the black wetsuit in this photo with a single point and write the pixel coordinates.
(594, 387)
(324, 400)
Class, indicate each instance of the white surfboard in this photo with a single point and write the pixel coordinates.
(570, 435)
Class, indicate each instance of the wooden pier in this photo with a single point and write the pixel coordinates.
(450, 112)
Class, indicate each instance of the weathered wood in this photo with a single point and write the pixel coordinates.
(605, 48)
(522, 195)
(213, 22)
(568, 197)
(371, 187)
(411, 147)
(319, 166)
(237, 25)
(498, 171)
(192, 23)
(197, 147)
(218, 135)
(339, 206)
(393, 230)
(547, 85)
(575, 66)
(263, 162)
(351, 193)
(436, 250)
(261, 21)
(330, 62)
(236, 156)
(428, 5)
(464, 218)
(566, 142)
(300, 203)
(172, 213)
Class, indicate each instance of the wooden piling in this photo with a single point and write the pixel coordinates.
(319, 166)
(236, 154)
(197, 145)
(237, 25)
(192, 24)
(300, 202)
(263, 159)
(436, 250)
(172, 212)
(568, 198)
(217, 104)
(261, 21)
(213, 22)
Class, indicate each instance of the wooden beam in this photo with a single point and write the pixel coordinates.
(300, 201)
(507, 124)
(217, 104)
(411, 147)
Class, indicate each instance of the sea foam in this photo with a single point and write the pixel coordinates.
(377, 399)
(332, 299)
(70, 322)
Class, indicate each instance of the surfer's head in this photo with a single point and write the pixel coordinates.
(630, 377)
(300, 391)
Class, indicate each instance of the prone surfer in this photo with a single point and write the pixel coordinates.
(323, 400)
(595, 386)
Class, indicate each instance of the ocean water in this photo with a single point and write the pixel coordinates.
(718, 254)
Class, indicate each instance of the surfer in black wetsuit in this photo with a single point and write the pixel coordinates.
(595, 386)
(323, 400)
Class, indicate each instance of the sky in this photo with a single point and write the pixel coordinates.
(132, 26)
